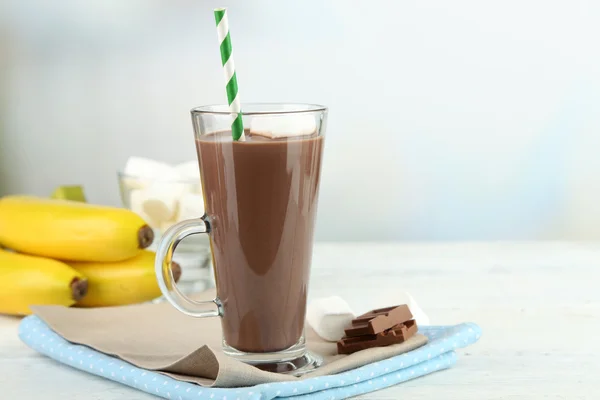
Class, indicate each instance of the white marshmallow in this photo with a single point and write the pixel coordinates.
(417, 312)
(160, 200)
(329, 316)
(166, 225)
(188, 170)
(197, 188)
(191, 206)
(134, 183)
(136, 204)
(282, 126)
(150, 169)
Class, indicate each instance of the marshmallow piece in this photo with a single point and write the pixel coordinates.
(191, 206)
(417, 312)
(188, 170)
(160, 200)
(136, 204)
(166, 225)
(150, 169)
(134, 183)
(329, 316)
(282, 126)
(196, 188)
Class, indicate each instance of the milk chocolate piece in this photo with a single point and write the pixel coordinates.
(379, 320)
(397, 334)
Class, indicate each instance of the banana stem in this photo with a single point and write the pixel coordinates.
(145, 236)
(79, 288)
(176, 271)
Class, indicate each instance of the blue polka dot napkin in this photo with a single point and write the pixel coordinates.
(438, 354)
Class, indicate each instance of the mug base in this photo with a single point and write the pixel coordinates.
(296, 360)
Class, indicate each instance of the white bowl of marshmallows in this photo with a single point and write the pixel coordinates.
(163, 194)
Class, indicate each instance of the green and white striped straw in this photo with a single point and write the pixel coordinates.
(233, 98)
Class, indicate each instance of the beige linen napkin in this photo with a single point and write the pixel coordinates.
(159, 338)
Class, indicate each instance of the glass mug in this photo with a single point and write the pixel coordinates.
(260, 198)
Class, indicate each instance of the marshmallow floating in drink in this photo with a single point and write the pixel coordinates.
(283, 126)
(162, 194)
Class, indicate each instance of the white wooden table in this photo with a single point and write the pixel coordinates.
(537, 303)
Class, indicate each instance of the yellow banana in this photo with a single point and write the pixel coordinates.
(71, 230)
(119, 283)
(29, 280)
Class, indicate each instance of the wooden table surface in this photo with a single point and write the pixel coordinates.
(537, 303)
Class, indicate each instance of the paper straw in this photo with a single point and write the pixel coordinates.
(233, 98)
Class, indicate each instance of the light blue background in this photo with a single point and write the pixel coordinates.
(455, 120)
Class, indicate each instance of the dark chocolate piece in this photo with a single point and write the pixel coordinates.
(379, 320)
(397, 334)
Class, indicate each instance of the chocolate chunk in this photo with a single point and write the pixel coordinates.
(397, 334)
(377, 321)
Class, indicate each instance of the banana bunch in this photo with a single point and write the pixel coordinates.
(72, 253)
(122, 282)
(71, 230)
(29, 280)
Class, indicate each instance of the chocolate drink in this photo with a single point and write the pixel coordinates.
(261, 201)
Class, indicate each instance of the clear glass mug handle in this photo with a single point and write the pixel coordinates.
(164, 274)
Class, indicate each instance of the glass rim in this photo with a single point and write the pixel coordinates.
(270, 109)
